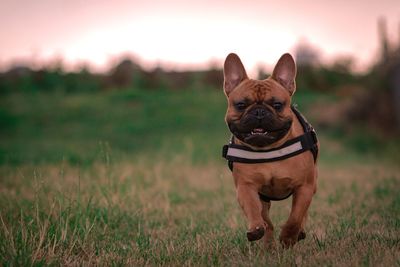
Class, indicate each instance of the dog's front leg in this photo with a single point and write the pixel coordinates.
(250, 202)
(269, 241)
(300, 203)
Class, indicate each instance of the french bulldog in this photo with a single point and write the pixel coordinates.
(261, 118)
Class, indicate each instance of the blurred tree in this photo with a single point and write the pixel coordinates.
(212, 78)
(380, 105)
(383, 39)
(16, 79)
(395, 86)
(307, 61)
(343, 64)
(306, 54)
(123, 74)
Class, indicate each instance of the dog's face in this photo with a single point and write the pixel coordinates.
(259, 112)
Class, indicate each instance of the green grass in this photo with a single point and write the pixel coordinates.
(51, 127)
(136, 178)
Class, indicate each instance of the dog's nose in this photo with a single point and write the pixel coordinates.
(260, 113)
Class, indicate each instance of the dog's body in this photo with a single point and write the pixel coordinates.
(260, 117)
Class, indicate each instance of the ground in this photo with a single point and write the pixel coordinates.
(137, 178)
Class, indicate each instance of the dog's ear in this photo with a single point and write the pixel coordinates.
(234, 73)
(285, 73)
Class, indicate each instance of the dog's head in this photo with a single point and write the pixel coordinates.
(259, 112)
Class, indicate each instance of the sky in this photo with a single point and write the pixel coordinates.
(181, 34)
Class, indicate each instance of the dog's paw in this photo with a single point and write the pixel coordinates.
(302, 235)
(269, 241)
(255, 234)
(288, 241)
(289, 237)
(290, 234)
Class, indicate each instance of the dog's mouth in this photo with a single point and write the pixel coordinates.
(258, 132)
(261, 136)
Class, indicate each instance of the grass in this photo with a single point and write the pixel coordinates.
(179, 214)
(77, 127)
(136, 178)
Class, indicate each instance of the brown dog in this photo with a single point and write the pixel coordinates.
(269, 153)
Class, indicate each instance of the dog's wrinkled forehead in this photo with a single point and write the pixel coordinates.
(259, 91)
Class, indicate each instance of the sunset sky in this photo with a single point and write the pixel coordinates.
(186, 34)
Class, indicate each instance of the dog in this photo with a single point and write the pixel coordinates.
(273, 151)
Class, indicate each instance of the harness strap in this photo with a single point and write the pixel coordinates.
(295, 146)
(308, 141)
(307, 127)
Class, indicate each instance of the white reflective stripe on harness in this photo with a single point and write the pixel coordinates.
(244, 154)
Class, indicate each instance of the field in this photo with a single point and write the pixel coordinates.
(136, 178)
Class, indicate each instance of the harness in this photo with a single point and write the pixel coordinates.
(243, 154)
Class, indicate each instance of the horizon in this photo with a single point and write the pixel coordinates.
(182, 35)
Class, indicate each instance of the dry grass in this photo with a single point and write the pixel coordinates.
(176, 213)
(178, 207)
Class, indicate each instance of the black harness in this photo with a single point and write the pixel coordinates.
(243, 154)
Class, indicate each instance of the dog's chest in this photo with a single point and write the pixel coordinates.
(273, 179)
(277, 184)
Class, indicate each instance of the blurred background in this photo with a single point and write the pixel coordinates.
(112, 126)
(83, 79)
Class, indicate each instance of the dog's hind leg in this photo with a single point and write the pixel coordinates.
(302, 233)
(300, 203)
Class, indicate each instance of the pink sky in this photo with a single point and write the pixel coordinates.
(182, 34)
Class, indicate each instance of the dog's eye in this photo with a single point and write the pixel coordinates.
(278, 106)
(240, 106)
